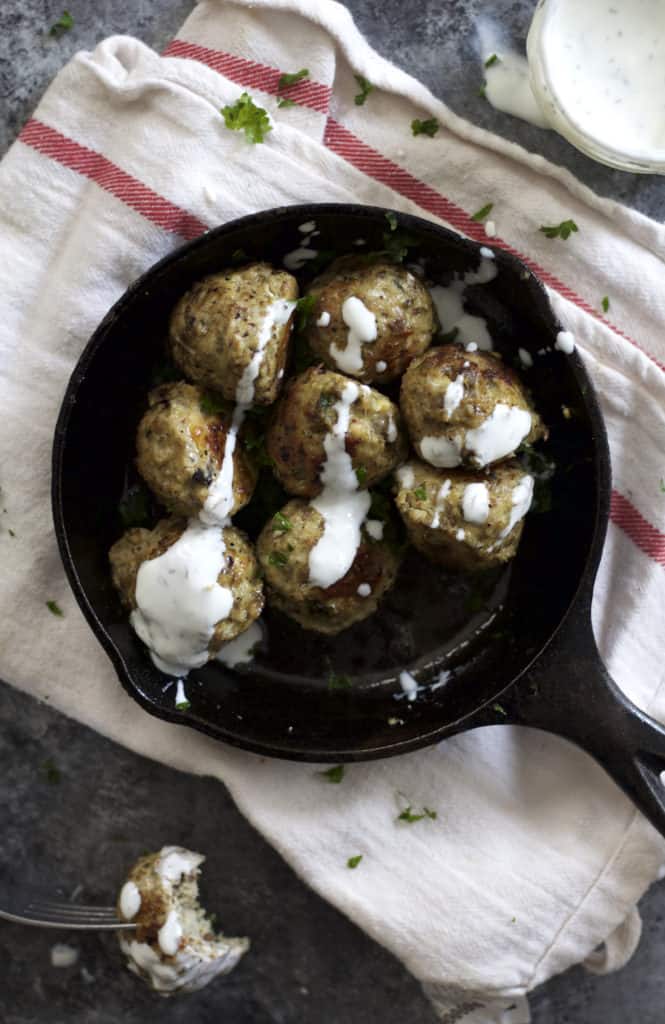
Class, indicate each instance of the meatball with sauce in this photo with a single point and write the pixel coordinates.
(231, 332)
(466, 408)
(180, 445)
(304, 417)
(283, 550)
(369, 320)
(464, 519)
(240, 573)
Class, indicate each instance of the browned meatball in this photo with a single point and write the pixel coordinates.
(466, 408)
(240, 573)
(180, 445)
(402, 309)
(283, 550)
(464, 519)
(305, 415)
(227, 319)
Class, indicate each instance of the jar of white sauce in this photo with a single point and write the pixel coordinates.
(597, 68)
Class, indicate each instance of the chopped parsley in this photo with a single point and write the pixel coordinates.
(245, 116)
(449, 336)
(605, 303)
(429, 127)
(11, 533)
(54, 608)
(491, 61)
(483, 212)
(338, 682)
(285, 102)
(397, 244)
(361, 475)
(334, 775)
(278, 558)
(421, 492)
(134, 506)
(482, 92)
(365, 89)
(392, 220)
(64, 23)
(286, 80)
(51, 773)
(410, 817)
(183, 705)
(353, 862)
(500, 710)
(563, 230)
(212, 404)
(304, 308)
(281, 523)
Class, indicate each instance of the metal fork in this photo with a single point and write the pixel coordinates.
(29, 906)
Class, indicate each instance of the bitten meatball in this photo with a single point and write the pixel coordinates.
(240, 573)
(369, 320)
(304, 417)
(233, 319)
(180, 445)
(283, 550)
(466, 408)
(461, 519)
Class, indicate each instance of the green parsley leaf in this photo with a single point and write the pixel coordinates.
(430, 814)
(244, 115)
(409, 816)
(286, 102)
(605, 303)
(449, 336)
(500, 710)
(183, 705)
(483, 212)
(429, 127)
(396, 245)
(335, 774)
(297, 76)
(353, 862)
(304, 308)
(11, 533)
(491, 61)
(278, 558)
(51, 773)
(365, 89)
(134, 506)
(212, 404)
(562, 230)
(54, 608)
(482, 92)
(64, 23)
(338, 682)
(281, 523)
(361, 475)
(392, 219)
(421, 492)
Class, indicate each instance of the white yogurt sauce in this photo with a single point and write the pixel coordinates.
(565, 342)
(381, 366)
(449, 303)
(603, 63)
(176, 861)
(444, 491)
(364, 590)
(170, 934)
(521, 503)
(499, 435)
(409, 685)
(508, 87)
(405, 477)
(299, 256)
(308, 228)
(324, 319)
(391, 432)
(461, 534)
(490, 229)
(180, 694)
(362, 329)
(341, 504)
(471, 347)
(130, 900)
(443, 452)
(454, 395)
(374, 528)
(63, 955)
(240, 651)
(525, 358)
(476, 503)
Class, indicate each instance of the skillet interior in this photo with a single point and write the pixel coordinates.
(486, 634)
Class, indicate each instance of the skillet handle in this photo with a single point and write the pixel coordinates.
(570, 692)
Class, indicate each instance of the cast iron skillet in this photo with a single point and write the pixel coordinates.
(512, 648)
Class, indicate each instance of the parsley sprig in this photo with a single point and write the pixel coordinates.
(491, 61)
(244, 115)
(334, 775)
(410, 817)
(55, 609)
(483, 212)
(290, 79)
(64, 23)
(353, 862)
(428, 127)
(366, 88)
(563, 230)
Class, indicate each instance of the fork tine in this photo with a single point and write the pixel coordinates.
(48, 921)
(72, 910)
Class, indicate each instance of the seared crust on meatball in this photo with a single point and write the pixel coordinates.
(448, 393)
(180, 449)
(216, 326)
(240, 574)
(305, 415)
(284, 558)
(401, 304)
(432, 505)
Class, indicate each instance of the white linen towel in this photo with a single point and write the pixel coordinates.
(535, 857)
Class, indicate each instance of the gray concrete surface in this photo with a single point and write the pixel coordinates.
(309, 965)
